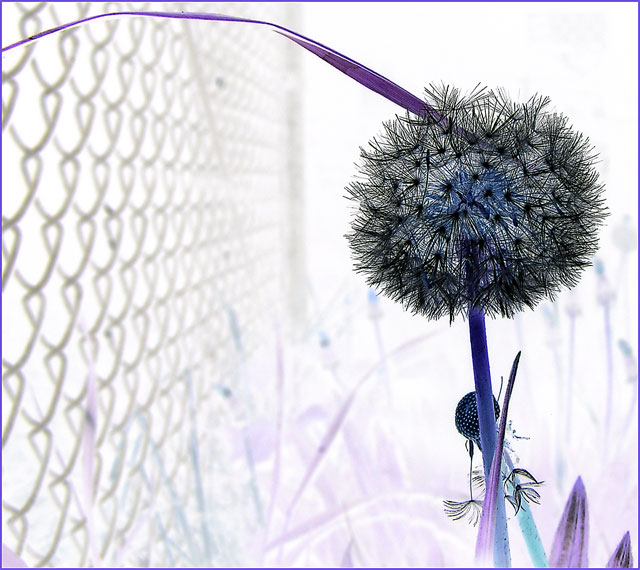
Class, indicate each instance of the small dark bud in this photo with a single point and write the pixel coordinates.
(467, 417)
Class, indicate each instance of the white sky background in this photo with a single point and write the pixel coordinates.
(584, 57)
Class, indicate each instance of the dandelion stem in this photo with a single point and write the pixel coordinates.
(487, 423)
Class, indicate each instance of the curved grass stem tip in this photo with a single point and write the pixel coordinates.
(365, 76)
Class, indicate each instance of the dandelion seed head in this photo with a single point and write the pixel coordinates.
(480, 203)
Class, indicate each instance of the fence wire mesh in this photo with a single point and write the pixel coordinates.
(147, 241)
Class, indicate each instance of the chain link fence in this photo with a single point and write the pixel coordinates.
(149, 240)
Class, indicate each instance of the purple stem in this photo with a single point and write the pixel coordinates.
(609, 401)
(484, 392)
(487, 422)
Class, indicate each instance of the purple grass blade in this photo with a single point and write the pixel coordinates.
(387, 460)
(323, 448)
(11, 560)
(572, 537)
(339, 418)
(362, 74)
(401, 500)
(486, 532)
(622, 557)
(334, 428)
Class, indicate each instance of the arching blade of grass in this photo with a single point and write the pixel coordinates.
(362, 74)
(334, 428)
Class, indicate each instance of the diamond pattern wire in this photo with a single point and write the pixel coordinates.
(147, 243)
